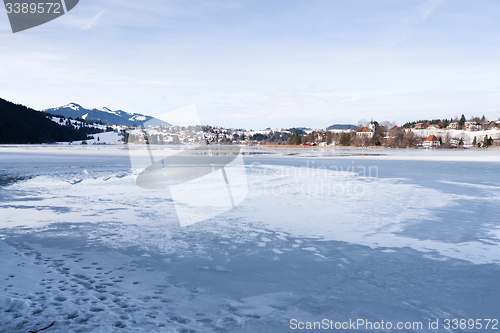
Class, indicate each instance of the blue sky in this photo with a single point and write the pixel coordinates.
(258, 64)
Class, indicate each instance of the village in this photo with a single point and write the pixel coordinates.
(455, 133)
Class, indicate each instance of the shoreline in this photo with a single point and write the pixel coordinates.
(491, 154)
(371, 147)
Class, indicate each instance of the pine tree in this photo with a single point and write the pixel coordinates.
(487, 141)
(345, 139)
(328, 138)
(462, 121)
(295, 139)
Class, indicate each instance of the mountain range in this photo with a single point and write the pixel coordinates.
(106, 115)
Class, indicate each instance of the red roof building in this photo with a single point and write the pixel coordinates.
(365, 131)
(431, 142)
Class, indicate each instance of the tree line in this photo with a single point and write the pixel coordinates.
(22, 125)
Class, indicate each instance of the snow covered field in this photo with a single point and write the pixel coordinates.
(337, 234)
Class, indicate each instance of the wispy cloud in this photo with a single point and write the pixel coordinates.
(429, 7)
(94, 20)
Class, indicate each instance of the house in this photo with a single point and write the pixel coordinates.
(420, 126)
(365, 131)
(492, 124)
(472, 126)
(434, 126)
(454, 143)
(453, 125)
(431, 142)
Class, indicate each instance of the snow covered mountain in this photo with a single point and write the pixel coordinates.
(106, 115)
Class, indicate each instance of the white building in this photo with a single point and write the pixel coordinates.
(472, 126)
(431, 142)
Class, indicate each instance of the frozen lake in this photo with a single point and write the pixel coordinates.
(394, 235)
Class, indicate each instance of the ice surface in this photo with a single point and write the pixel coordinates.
(338, 234)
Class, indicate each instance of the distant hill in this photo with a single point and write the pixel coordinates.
(298, 130)
(106, 115)
(340, 127)
(22, 125)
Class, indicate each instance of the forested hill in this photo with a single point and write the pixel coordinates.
(22, 125)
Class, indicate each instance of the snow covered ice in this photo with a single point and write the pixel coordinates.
(393, 235)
